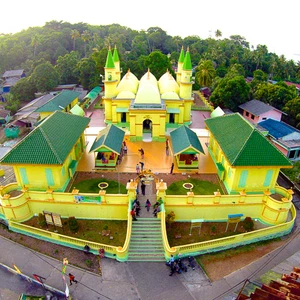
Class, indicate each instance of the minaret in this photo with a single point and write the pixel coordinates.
(111, 78)
(117, 63)
(186, 83)
(179, 66)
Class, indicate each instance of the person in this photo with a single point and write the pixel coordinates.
(142, 152)
(137, 167)
(167, 147)
(125, 149)
(132, 212)
(142, 166)
(72, 278)
(156, 210)
(137, 207)
(173, 268)
(143, 188)
(192, 263)
(148, 205)
(172, 167)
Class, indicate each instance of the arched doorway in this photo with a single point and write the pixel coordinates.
(147, 130)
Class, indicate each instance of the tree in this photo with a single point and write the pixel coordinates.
(205, 73)
(74, 34)
(23, 90)
(230, 92)
(158, 63)
(86, 69)
(45, 77)
(66, 67)
(292, 108)
(86, 36)
(218, 33)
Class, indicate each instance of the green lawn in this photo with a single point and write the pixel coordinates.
(91, 186)
(200, 187)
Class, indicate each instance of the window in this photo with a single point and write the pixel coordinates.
(247, 114)
(243, 179)
(252, 117)
(268, 178)
(292, 154)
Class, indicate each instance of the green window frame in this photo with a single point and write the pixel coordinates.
(49, 176)
(243, 179)
(24, 177)
(268, 177)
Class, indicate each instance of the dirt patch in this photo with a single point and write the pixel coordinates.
(222, 264)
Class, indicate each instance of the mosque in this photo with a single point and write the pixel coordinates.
(148, 108)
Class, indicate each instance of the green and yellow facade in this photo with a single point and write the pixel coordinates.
(148, 105)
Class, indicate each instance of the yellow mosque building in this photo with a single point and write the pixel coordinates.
(148, 108)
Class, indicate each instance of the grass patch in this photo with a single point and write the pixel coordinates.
(91, 230)
(91, 186)
(201, 187)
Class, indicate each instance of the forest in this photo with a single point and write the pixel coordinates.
(64, 53)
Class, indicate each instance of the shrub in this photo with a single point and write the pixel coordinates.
(42, 220)
(170, 217)
(105, 227)
(248, 224)
(73, 224)
(88, 263)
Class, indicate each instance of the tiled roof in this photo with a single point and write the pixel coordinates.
(277, 129)
(256, 107)
(183, 139)
(242, 144)
(13, 73)
(50, 143)
(63, 99)
(111, 137)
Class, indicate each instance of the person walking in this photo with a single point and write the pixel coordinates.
(142, 166)
(137, 208)
(72, 278)
(172, 168)
(133, 214)
(137, 167)
(142, 153)
(148, 205)
(143, 188)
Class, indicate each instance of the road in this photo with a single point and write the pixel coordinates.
(12, 286)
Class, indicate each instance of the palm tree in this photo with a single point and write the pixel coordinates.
(218, 33)
(86, 36)
(205, 73)
(35, 40)
(74, 34)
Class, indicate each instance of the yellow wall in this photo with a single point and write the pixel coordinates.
(256, 175)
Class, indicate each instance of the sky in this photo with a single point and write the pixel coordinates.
(261, 22)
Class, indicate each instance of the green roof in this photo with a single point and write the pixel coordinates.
(242, 144)
(50, 143)
(109, 60)
(181, 57)
(77, 110)
(184, 139)
(187, 64)
(116, 55)
(59, 102)
(111, 137)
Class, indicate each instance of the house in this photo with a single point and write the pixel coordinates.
(107, 147)
(257, 111)
(64, 101)
(4, 116)
(148, 107)
(58, 143)
(27, 115)
(283, 136)
(246, 161)
(186, 148)
(10, 78)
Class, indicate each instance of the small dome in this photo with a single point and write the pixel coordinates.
(148, 78)
(167, 83)
(148, 93)
(125, 95)
(128, 83)
(170, 96)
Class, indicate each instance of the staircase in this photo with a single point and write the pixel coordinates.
(146, 241)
